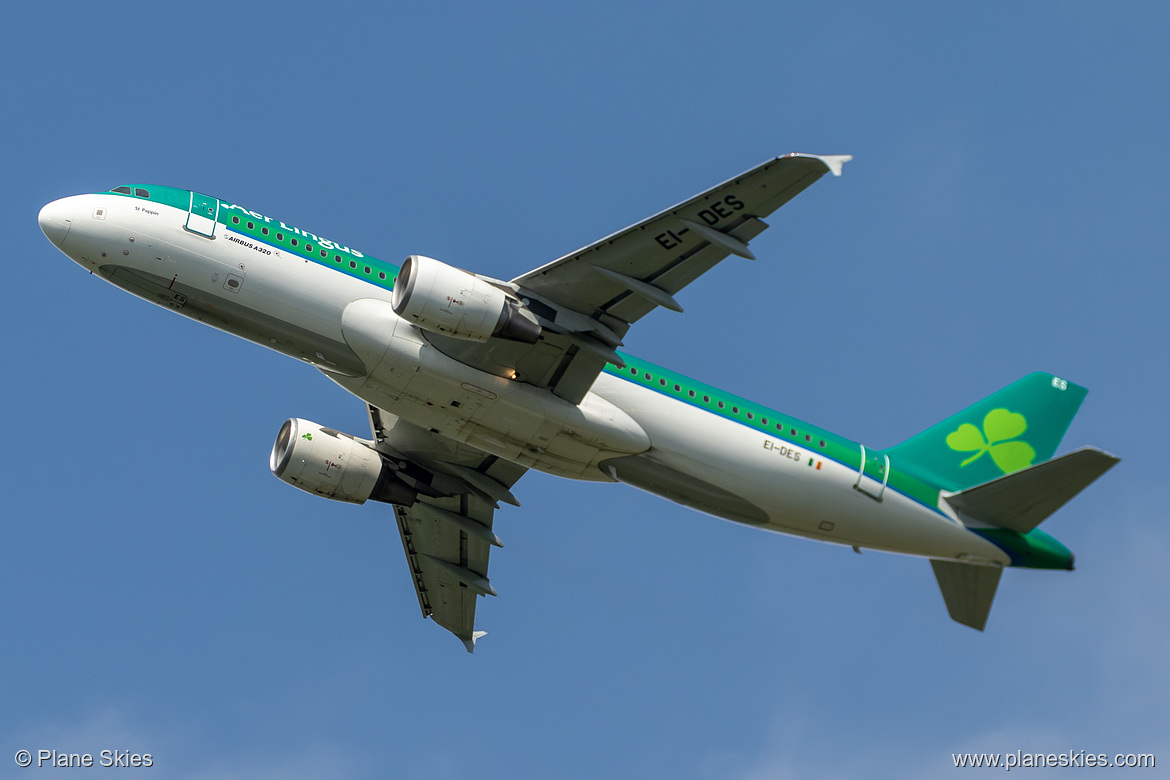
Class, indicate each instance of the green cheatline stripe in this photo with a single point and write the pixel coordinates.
(798, 433)
(1034, 550)
(167, 196)
(357, 270)
(340, 259)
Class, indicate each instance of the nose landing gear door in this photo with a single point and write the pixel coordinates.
(202, 215)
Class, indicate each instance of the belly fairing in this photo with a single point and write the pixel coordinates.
(406, 376)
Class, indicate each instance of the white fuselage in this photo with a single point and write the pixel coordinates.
(622, 430)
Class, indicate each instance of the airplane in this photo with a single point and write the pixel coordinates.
(469, 381)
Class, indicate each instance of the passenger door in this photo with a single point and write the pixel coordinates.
(202, 215)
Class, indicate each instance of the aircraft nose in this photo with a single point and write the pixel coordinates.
(55, 219)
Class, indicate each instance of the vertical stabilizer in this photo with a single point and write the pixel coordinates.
(1009, 430)
(968, 590)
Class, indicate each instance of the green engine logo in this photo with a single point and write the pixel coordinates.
(999, 438)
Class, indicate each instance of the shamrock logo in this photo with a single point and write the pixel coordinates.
(308, 436)
(999, 437)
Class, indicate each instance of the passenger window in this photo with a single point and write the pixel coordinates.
(294, 242)
(251, 226)
(264, 231)
(141, 193)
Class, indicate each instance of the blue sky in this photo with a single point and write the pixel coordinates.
(1006, 212)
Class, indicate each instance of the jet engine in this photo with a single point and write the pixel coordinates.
(443, 299)
(335, 465)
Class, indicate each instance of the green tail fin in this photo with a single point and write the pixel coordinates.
(1011, 429)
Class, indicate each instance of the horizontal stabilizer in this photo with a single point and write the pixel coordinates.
(1022, 500)
(968, 590)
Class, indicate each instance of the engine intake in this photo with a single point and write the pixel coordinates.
(334, 465)
(447, 300)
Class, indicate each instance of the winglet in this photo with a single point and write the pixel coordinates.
(835, 162)
(470, 643)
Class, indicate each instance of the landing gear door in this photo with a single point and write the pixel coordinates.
(202, 215)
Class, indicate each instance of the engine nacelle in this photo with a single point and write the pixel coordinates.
(334, 465)
(443, 299)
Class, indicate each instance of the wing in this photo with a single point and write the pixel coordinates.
(624, 276)
(447, 538)
(587, 300)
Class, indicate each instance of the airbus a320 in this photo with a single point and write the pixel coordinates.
(469, 381)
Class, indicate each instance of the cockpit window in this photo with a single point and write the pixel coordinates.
(141, 193)
(123, 190)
